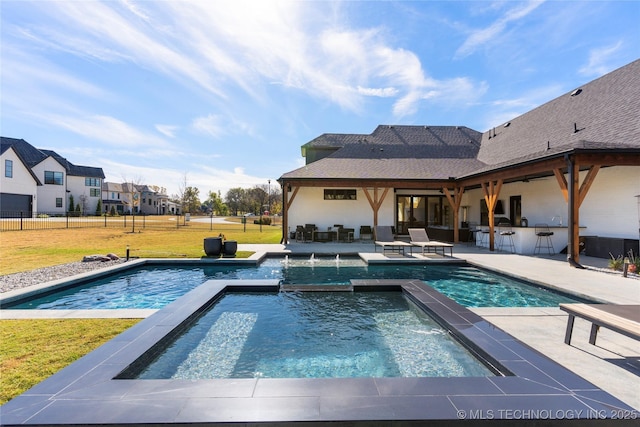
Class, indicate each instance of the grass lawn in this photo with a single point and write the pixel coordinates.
(32, 350)
(27, 250)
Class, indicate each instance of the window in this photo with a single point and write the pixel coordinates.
(8, 168)
(55, 178)
(337, 194)
(92, 182)
(94, 192)
(58, 202)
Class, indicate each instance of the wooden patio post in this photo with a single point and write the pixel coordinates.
(455, 200)
(491, 194)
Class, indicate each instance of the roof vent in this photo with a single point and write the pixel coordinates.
(507, 124)
(576, 92)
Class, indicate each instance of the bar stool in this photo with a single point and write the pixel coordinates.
(505, 232)
(544, 239)
(473, 230)
(484, 234)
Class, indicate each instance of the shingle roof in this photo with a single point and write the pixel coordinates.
(32, 156)
(15, 144)
(601, 115)
(605, 113)
(395, 152)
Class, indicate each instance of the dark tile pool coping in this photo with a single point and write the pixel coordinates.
(533, 391)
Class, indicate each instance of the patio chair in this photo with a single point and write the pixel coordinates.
(308, 232)
(420, 238)
(385, 239)
(366, 232)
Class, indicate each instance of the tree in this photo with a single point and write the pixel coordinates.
(215, 204)
(71, 203)
(99, 207)
(235, 199)
(132, 193)
(84, 204)
(191, 199)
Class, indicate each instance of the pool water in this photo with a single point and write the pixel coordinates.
(314, 335)
(155, 286)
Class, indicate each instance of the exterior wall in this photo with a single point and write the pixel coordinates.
(77, 188)
(47, 193)
(22, 182)
(610, 209)
(309, 207)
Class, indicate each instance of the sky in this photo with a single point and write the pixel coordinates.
(222, 94)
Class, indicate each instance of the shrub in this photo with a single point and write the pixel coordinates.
(265, 221)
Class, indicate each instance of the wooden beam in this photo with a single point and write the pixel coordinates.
(562, 182)
(287, 201)
(491, 192)
(455, 200)
(375, 202)
(586, 184)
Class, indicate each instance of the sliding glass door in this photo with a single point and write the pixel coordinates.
(422, 212)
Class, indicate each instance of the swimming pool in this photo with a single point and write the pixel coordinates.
(154, 286)
(314, 335)
(93, 391)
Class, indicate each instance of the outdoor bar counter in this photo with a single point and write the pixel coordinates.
(525, 238)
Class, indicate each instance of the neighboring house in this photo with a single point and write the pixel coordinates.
(573, 163)
(54, 177)
(19, 189)
(139, 199)
(113, 198)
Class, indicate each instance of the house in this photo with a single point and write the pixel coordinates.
(126, 198)
(42, 181)
(572, 164)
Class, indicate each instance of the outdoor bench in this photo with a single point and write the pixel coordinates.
(624, 319)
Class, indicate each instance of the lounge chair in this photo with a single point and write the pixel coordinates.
(420, 238)
(386, 240)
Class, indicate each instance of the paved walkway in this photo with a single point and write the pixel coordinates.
(613, 364)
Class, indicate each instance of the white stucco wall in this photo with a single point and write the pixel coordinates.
(77, 188)
(47, 193)
(610, 208)
(309, 207)
(22, 182)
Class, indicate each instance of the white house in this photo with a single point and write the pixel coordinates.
(139, 199)
(19, 189)
(55, 180)
(572, 164)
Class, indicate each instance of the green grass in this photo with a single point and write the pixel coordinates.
(27, 250)
(32, 350)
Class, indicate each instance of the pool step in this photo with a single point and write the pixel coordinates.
(316, 288)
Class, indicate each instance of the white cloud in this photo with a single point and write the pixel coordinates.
(209, 45)
(167, 130)
(106, 129)
(600, 60)
(482, 37)
(385, 92)
(211, 125)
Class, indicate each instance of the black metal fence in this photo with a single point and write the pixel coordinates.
(18, 221)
